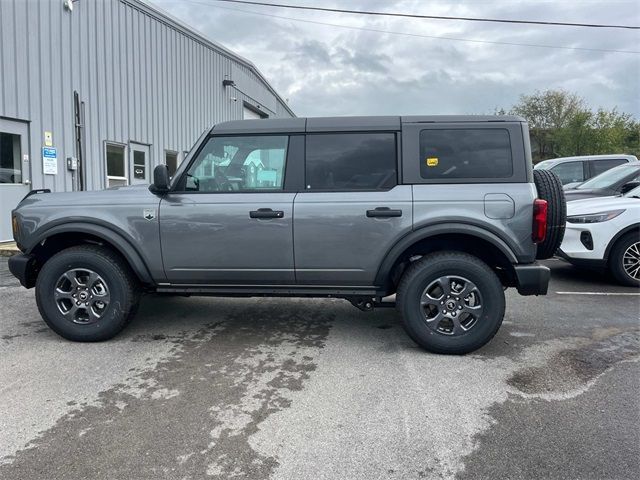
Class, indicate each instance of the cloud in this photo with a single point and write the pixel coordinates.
(326, 70)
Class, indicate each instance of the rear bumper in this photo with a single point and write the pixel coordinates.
(24, 268)
(532, 279)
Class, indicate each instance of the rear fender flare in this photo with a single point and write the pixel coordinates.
(433, 230)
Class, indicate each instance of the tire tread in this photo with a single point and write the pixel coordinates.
(549, 188)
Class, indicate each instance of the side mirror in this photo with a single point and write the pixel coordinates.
(627, 187)
(160, 183)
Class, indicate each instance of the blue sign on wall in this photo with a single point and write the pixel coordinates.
(49, 161)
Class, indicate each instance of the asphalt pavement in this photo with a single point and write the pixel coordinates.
(316, 389)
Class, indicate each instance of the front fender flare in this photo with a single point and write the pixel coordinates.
(125, 247)
(433, 230)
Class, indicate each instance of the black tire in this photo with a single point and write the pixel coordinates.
(114, 277)
(429, 269)
(630, 244)
(550, 189)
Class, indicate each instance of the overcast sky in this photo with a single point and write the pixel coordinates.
(328, 70)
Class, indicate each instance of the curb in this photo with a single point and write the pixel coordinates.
(8, 249)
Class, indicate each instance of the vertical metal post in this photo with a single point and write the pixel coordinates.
(78, 130)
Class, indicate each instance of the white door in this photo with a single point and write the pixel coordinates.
(249, 114)
(14, 170)
(139, 163)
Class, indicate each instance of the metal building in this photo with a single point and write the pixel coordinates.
(95, 93)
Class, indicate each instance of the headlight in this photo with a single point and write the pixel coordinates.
(594, 217)
(15, 226)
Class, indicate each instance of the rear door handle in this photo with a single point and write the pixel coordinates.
(266, 213)
(384, 212)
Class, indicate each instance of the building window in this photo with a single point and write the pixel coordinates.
(139, 165)
(351, 161)
(10, 155)
(116, 165)
(171, 160)
(465, 153)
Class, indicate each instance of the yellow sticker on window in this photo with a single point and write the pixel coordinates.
(432, 161)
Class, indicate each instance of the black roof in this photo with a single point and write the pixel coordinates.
(342, 124)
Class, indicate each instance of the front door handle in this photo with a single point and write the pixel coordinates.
(384, 212)
(266, 213)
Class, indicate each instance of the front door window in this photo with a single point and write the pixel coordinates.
(569, 172)
(238, 164)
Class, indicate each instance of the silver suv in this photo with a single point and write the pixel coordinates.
(442, 211)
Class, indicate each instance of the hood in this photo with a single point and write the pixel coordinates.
(111, 196)
(579, 193)
(572, 185)
(601, 204)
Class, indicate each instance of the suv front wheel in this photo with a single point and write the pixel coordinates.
(451, 302)
(86, 293)
(624, 261)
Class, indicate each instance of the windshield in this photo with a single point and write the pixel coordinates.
(635, 193)
(609, 178)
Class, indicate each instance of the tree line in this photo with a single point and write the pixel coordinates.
(561, 124)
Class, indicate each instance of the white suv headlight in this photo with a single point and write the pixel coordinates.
(594, 217)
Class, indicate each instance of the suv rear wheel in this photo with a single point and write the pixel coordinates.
(86, 293)
(451, 302)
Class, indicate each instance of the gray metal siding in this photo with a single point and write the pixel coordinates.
(142, 76)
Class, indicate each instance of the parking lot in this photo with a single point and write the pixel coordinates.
(293, 389)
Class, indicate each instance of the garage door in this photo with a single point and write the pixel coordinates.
(250, 114)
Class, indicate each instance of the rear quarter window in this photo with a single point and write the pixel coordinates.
(465, 153)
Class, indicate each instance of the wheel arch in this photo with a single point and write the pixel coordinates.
(631, 228)
(448, 236)
(66, 235)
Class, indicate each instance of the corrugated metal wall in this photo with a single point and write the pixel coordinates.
(142, 76)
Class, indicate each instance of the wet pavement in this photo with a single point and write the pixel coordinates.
(293, 388)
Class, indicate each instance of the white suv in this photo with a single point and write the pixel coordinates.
(605, 232)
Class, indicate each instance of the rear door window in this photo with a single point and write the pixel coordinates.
(599, 166)
(351, 161)
(465, 153)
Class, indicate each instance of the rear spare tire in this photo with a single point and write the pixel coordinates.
(549, 188)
